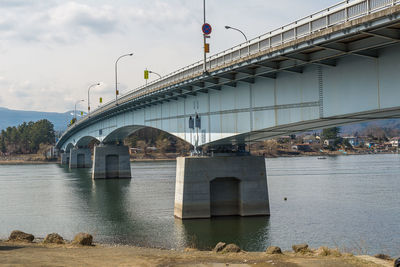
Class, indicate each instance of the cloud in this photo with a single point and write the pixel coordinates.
(55, 49)
(83, 18)
(14, 3)
(160, 11)
(65, 22)
(69, 22)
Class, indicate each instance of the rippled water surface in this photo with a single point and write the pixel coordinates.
(350, 202)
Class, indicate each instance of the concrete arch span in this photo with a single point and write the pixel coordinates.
(69, 147)
(85, 141)
(121, 133)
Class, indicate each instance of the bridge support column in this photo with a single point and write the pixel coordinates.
(64, 158)
(111, 161)
(80, 158)
(221, 186)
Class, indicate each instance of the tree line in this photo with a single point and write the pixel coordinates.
(27, 137)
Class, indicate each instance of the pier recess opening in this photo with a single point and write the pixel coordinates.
(112, 166)
(224, 196)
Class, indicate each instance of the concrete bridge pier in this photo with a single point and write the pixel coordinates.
(64, 158)
(80, 158)
(111, 161)
(221, 186)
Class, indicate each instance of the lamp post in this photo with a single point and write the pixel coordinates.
(155, 73)
(88, 96)
(116, 77)
(229, 27)
(244, 35)
(75, 107)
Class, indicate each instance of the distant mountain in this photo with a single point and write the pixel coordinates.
(9, 117)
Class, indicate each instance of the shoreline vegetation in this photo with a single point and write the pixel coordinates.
(33, 142)
(40, 159)
(38, 252)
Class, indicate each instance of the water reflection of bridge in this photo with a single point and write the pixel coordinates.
(125, 211)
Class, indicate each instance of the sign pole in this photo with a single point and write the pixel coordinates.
(204, 37)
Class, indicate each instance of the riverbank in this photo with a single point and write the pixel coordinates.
(25, 159)
(39, 254)
(35, 159)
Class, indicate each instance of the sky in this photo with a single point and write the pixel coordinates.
(51, 51)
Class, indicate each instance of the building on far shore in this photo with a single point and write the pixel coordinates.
(302, 147)
(395, 141)
(353, 140)
(311, 139)
(329, 142)
(370, 144)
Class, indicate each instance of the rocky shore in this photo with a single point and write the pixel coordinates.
(23, 249)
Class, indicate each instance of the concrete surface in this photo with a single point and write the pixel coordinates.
(111, 161)
(80, 158)
(64, 158)
(220, 186)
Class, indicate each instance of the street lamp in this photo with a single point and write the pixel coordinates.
(116, 82)
(75, 107)
(155, 73)
(88, 96)
(229, 27)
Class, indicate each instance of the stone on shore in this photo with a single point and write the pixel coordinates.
(83, 239)
(325, 251)
(219, 247)
(300, 248)
(17, 235)
(383, 256)
(322, 251)
(53, 238)
(231, 248)
(274, 250)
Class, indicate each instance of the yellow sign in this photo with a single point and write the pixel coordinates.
(101, 100)
(117, 92)
(146, 74)
(206, 48)
(81, 113)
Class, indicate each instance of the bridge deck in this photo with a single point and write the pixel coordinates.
(357, 28)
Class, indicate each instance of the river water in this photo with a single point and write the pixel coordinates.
(350, 202)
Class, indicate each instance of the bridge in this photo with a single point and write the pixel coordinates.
(337, 66)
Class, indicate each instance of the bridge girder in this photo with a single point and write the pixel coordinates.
(363, 40)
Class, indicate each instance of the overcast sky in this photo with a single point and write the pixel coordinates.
(52, 50)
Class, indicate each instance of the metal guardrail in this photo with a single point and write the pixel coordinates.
(334, 15)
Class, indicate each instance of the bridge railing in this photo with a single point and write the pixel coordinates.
(333, 15)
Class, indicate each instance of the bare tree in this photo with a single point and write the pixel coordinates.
(271, 146)
(182, 147)
(162, 145)
(142, 145)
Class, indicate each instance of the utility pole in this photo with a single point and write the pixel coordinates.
(206, 29)
(204, 37)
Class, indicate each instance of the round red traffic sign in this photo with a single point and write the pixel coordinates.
(206, 28)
